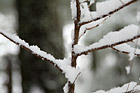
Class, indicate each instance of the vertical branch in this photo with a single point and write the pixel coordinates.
(75, 42)
(76, 33)
(78, 10)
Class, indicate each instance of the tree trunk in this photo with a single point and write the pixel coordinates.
(39, 24)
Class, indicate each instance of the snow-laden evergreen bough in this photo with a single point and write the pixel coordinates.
(85, 20)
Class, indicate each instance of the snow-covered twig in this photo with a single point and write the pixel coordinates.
(125, 52)
(89, 28)
(110, 40)
(122, 89)
(32, 49)
(63, 65)
(109, 13)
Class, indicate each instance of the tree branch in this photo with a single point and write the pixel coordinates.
(108, 46)
(89, 28)
(78, 10)
(28, 48)
(124, 51)
(110, 40)
(110, 13)
(71, 86)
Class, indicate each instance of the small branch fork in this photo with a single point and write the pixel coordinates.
(76, 37)
(29, 50)
(97, 25)
(71, 86)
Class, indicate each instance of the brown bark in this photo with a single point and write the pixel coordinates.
(75, 42)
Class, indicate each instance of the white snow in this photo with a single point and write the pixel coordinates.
(103, 8)
(70, 72)
(85, 13)
(92, 2)
(66, 88)
(124, 34)
(7, 23)
(35, 49)
(131, 87)
(97, 23)
(127, 48)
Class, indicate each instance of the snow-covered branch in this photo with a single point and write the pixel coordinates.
(106, 9)
(126, 49)
(90, 26)
(110, 40)
(133, 88)
(33, 49)
(63, 65)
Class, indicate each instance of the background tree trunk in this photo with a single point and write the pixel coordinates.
(40, 25)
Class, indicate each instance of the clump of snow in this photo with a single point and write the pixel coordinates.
(69, 71)
(127, 69)
(124, 89)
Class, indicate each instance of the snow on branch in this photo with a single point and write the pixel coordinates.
(105, 9)
(131, 87)
(33, 49)
(126, 49)
(75, 9)
(110, 40)
(63, 65)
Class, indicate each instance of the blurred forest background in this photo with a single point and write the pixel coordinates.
(42, 23)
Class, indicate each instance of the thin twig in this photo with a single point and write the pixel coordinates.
(107, 46)
(71, 86)
(29, 50)
(76, 77)
(125, 52)
(110, 13)
(121, 2)
(133, 89)
(127, 88)
(93, 27)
